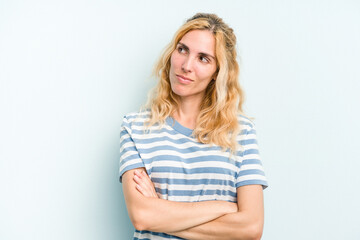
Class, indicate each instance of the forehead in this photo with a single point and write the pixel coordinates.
(199, 41)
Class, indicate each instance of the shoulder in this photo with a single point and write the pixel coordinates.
(136, 118)
(246, 123)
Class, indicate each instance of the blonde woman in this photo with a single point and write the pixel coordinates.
(189, 164)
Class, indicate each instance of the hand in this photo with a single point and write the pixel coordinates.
(144, 184)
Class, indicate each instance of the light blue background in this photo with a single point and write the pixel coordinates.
(71, 69)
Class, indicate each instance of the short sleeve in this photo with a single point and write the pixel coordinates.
(250, 170)
(129, 155)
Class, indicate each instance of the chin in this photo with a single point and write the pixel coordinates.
(179, 93)
(178, 90)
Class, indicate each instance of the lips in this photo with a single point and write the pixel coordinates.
(184, 80)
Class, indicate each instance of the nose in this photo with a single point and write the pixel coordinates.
(187, 65)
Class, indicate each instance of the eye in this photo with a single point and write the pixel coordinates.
(181, 49)
(204, 59)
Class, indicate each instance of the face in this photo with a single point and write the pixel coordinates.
(193, 64)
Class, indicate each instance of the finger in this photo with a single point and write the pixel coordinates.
(146, 188)
(145, 180)
(137, 179)
(137, 173)
(141, 182)
(141, 190)
(149, 184)
(144, 174)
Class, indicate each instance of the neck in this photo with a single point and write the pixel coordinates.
(188, 112)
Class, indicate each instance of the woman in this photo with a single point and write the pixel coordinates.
(189, 164)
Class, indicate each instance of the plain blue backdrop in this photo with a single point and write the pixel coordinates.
(70, 70)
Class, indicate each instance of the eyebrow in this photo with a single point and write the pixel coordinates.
(201, 53)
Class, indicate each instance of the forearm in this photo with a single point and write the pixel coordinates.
(159, 215)
(246, 224)
(230, 226)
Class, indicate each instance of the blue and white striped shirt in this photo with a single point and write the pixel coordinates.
(184, 170)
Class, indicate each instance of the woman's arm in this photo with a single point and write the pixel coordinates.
(247, 223)
(159, 215)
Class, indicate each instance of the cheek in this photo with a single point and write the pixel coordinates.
(175, 61)
(206, 73)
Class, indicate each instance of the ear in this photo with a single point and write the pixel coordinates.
(214, 76)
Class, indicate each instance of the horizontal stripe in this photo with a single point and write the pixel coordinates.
(243, 178)
(251, 166)
(139, 135)
(166, 142)
(181, 153)
(193, 165)
(129, 155)
(202, 192)
(185, 152)
(254, 160)
(210, 158)
(253, 182)
(193, 170)
(250, 172)
(185, 170)
(251, 151)
(191, 187)
(176, 138)
(191, 181)
(129, 167)
(199, 198)
(139, 128)
(146, 234)
(131, 163)
(196, 176)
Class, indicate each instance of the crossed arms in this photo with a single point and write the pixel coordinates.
(194, 220)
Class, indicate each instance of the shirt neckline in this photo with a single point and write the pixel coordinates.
(178, 127)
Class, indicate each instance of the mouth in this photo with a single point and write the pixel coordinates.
(183, 79)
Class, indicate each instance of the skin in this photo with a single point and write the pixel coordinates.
(193, 66)
(246, 223)
(142, 209)
(193, 58)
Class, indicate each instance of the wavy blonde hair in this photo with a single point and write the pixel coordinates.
(217, 121)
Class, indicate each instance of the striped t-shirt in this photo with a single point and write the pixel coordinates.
(184, 170)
